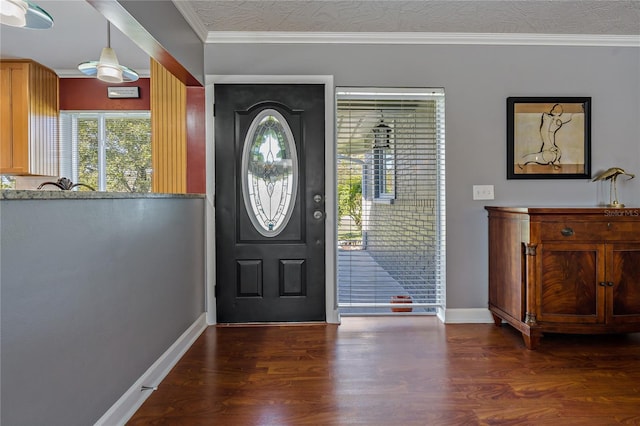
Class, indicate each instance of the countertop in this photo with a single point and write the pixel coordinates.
(11, 194)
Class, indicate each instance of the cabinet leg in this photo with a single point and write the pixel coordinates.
(496, 320)
(531, 341)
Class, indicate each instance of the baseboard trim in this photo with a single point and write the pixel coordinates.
(128, 404)
(467, 316)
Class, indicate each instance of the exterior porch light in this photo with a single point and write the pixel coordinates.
(382, 134)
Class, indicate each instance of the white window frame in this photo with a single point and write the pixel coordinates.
(370, 186)
(384, 160)
(69, 140)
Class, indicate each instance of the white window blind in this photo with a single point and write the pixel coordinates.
(391, 199)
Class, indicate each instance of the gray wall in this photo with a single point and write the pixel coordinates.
(92, 293)
(162, 20)
(477, 80)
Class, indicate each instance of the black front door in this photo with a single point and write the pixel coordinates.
(270, 215)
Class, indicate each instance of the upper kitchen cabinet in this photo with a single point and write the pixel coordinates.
(29, 113)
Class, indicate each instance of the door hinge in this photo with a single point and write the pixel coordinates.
(214, 110)
(215, 291)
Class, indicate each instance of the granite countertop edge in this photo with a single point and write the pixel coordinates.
(12, 194)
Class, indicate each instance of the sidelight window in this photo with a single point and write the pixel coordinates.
(391, 199)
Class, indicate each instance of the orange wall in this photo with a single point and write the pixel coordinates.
(90, 94)
(82, 94)
(196, 165)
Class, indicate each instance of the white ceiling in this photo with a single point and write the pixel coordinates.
(80, 31)
(78, 35)
(474, 16)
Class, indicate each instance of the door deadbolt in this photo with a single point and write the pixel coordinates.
(317, 198)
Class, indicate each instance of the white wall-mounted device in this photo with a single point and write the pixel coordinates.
(121, 92)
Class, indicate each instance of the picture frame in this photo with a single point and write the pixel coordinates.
(548, 138)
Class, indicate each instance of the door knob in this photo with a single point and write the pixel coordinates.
(317, 214)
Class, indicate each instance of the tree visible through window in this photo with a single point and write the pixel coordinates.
(109, 151)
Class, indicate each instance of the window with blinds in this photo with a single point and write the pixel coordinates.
(391, 200)
(109, 151)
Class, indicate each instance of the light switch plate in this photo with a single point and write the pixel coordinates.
(483, 192)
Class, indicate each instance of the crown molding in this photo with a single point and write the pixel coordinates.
(190, 15)
(303, 37)
(517, 39)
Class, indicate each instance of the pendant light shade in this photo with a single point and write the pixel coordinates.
(108, 68)
(24, 14)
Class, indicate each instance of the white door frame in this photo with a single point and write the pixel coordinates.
(331, 301)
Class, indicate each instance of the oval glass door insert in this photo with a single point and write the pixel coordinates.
(269, 172)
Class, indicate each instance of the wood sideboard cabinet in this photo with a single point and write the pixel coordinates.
(564, 270)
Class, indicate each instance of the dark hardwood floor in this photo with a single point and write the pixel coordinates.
(398, 371)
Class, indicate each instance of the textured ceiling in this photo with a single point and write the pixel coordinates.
(475, 16)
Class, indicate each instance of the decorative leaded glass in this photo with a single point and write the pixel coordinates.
(269, 172)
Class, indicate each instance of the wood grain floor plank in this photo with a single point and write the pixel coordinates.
(397, 371)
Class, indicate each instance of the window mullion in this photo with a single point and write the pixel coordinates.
(74, 147)
(102, 153)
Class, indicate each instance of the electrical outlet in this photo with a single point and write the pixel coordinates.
(483, 192)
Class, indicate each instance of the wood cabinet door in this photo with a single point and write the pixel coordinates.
(623, 283)
(14, 127)
(569, 277)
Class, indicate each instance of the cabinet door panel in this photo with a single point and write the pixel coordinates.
(623, 274)
(505, 266)
(568, 285)
(29, 119)
(14, 109)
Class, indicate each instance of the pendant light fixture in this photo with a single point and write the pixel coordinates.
(108, 68)
(24, 14)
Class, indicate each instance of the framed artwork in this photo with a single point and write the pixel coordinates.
(548, 138)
